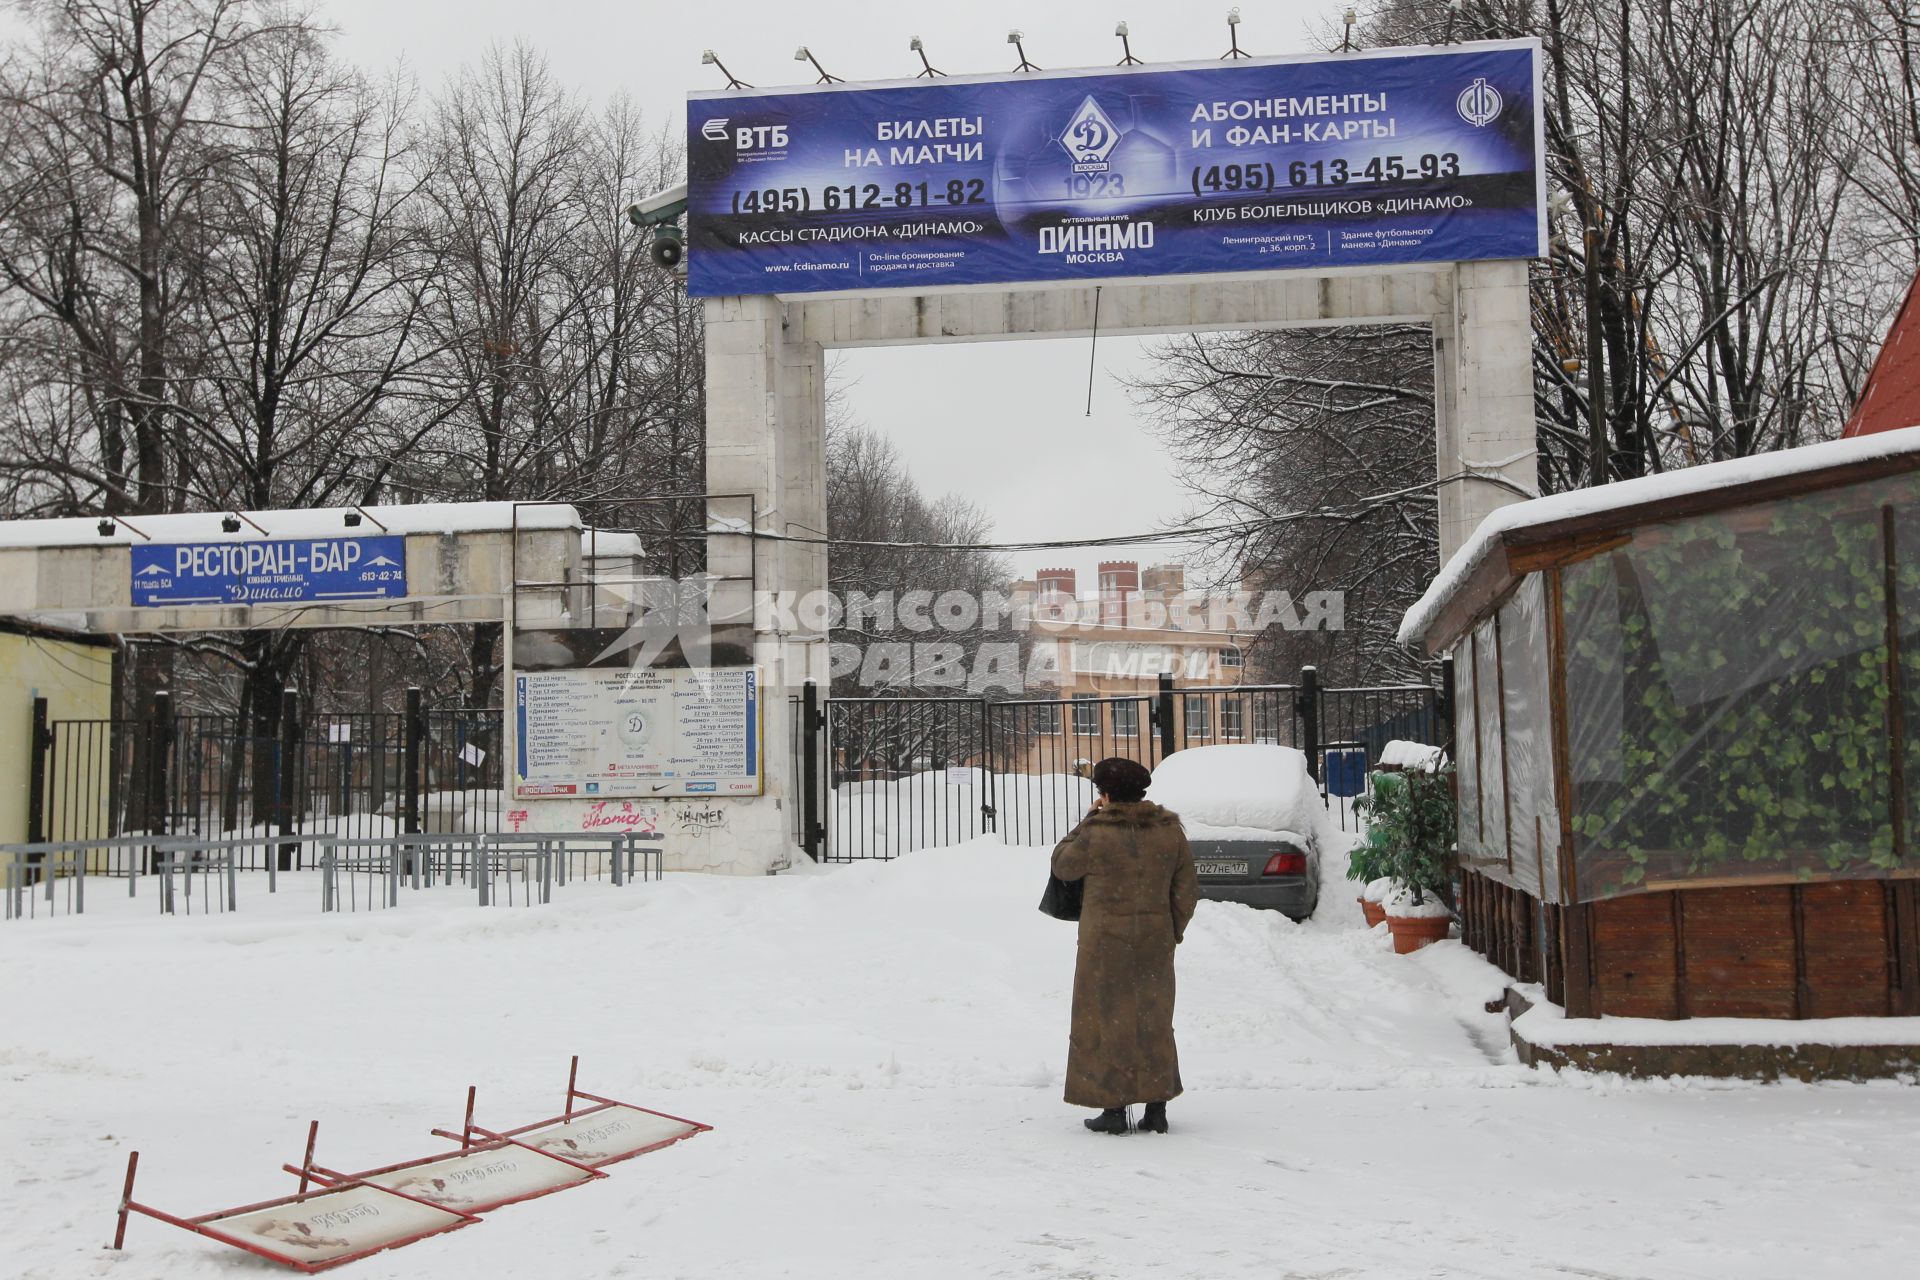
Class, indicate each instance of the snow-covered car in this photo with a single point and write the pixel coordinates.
(1255, 819)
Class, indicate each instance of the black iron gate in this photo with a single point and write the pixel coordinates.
(348, 773)
(879, 777)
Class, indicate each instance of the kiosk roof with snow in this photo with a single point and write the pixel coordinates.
(1684, 709)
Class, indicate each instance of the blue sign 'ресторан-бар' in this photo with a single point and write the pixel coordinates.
(270, 571)
(1385, 157)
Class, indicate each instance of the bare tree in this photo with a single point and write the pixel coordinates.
(628, 372)
(1319, 442)
(1698, 304)
(503, 184)
(891, 539)
(503, 190)
(565, 363)
(111, 155)
(114, 143)
(309, 296)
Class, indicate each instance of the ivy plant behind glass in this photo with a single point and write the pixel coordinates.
(1728, 689)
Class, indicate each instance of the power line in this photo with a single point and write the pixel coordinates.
(1349, 512)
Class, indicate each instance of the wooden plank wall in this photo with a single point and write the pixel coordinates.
(1846, 948)
(1498, 921)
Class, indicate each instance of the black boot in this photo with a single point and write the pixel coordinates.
(1112, 1120)
(1155, 1118)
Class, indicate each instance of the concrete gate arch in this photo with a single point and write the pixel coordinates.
(766, 418)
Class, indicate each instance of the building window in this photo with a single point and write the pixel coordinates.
(1232, 660)
(1233, 718)
(1199, 718)
(1046, 718)
(1086, 714)
(1126, 719)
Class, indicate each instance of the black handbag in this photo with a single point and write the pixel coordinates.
(1062, 898)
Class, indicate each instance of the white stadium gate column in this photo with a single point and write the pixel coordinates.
(766, 438)
(1483, 398)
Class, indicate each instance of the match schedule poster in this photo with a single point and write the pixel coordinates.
(665, 732)
(1357, 159)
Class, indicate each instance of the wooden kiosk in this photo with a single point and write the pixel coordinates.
(1686, 712)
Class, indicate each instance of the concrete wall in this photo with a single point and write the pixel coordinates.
(1268, 301)
(77, 682)
(461, 576)
(766, 438)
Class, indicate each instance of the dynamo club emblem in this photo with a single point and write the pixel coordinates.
(1479, 103)
(1090, 138)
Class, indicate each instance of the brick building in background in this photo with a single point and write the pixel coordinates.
(1115, 645)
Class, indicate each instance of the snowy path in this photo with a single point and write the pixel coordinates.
(880, 1049)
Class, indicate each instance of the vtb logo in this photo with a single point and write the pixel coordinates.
(1090, 138)
(1479, 103)
(747, 137)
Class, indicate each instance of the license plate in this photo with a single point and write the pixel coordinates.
(1206, 868)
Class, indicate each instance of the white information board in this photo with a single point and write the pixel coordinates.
(651, 732)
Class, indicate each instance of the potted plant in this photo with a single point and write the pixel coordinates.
(1410, 820)
(1367, 865)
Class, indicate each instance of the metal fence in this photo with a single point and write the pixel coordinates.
(878, 777)
(353, 774)
(191, 876)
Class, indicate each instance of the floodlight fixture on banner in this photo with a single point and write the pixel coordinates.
(1015, 38)
(928, 70)
(708, 58)
(804, 54)
(1233, 35)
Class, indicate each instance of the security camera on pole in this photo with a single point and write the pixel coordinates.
(661, 211)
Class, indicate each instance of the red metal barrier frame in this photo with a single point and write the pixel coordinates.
(570, 1115)
(203, 1224)
(307, 1171)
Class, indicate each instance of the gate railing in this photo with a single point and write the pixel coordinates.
(355, 774)
(879, 777)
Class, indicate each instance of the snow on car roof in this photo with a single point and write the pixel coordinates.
(1250, 790)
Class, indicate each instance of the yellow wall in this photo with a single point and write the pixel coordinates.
(75, 679)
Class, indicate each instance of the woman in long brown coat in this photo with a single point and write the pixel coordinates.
(1138, 897)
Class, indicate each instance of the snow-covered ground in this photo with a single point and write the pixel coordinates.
(879, 1049)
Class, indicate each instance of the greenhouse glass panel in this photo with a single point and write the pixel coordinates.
(1466, 753)
(1534, 817)
(1493, 755)
(1728, 699)
(1906, 520)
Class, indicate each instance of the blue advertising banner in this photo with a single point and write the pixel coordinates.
(1361, 159)
(266, 572)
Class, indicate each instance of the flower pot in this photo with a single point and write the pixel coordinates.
(1410, 933)
(1373, 911)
